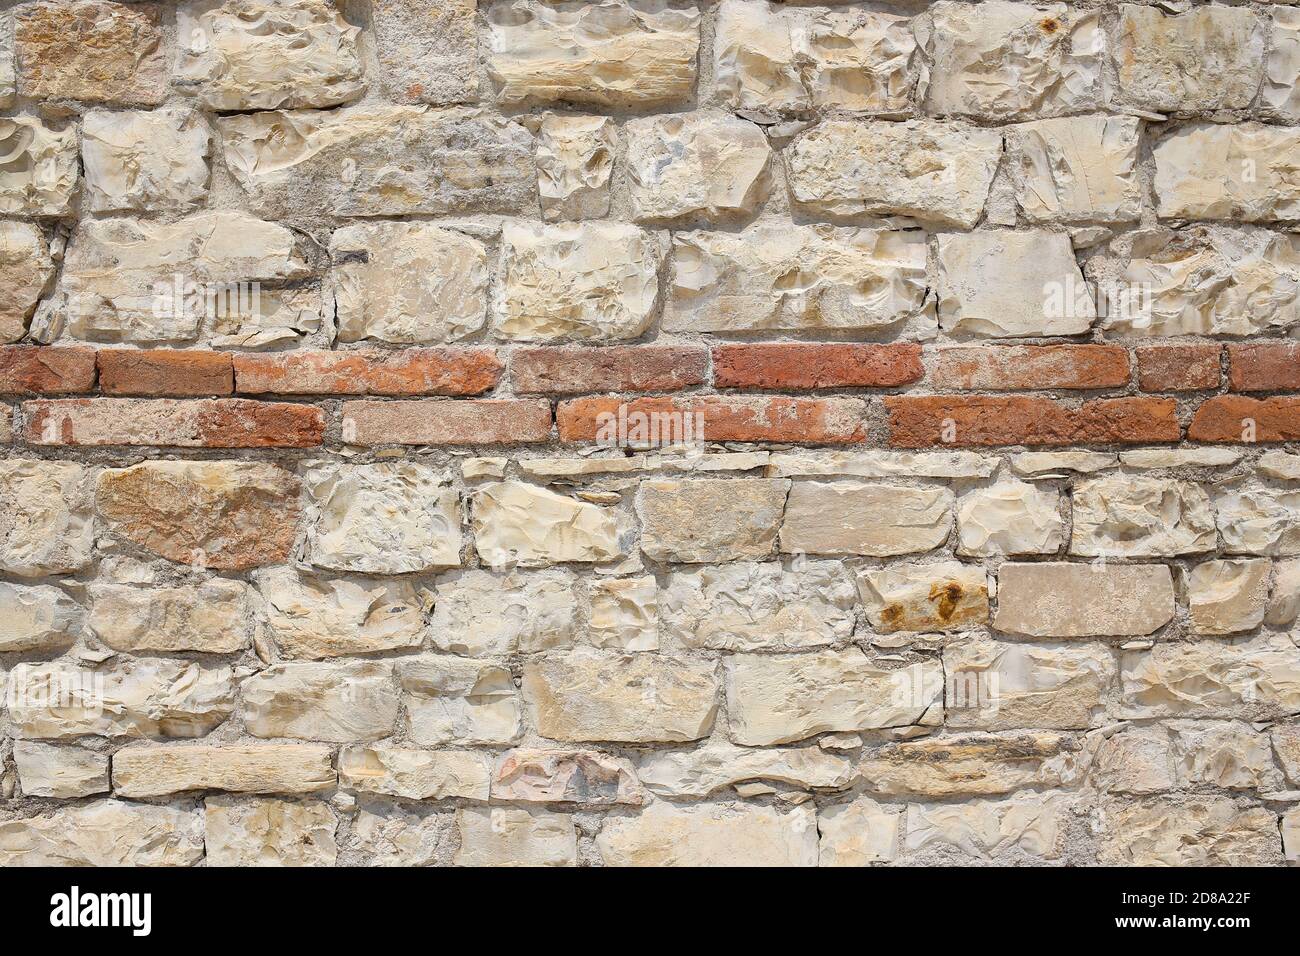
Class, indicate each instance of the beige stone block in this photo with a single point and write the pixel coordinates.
(708, 520)
(973, 764)
(338, 702)
(1227, 597)
(63, 773)
(264, 831)
(519, 523)
(717, 764)
(565, 776)
(1054, 599)
(724, 834)
(515, 836)
(155, 771)
(872, 519)
(415, 774)
(1191, 831)
(104, 833)
(213, 617)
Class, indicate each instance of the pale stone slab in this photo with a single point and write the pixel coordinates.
(718, 764)
(1027, 827)
(104, 833)
(1010, 517)
(726, 834)
(1228, 597)
(515, 836)
(153, 161)
(39, 177)
(1279, 464)
(1259, 521)
(310, 619)
(624, 614)
(706, 520)
(973, 764)
(415, 774)
(1135, 760)
(871, 519)
(1194, 831)
(25, 269)
(565, 776)
(264, 831)
(1159, 458)
(1280, 93)
(387, 835)
(481, 614)
(1078, 600)
(947, 596)
(1040, 463)
(428, 53)
(213, 617)
(519, 523)
(155, 771)
(1230, 756)
(1256, 679)
(1286, 744)
(878, 464)
(575, 158)
(1132, 516)
(453, 700)
(859, 833)
(339, 702)
(1077, 169)
(39, 618)
(64, 773)
(1242, 172)
(1284, 605)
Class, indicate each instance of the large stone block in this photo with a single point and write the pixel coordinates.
(104, 833)
(311, 619)
(947, 596)
(264, 831)
(41, 619)
(1214, 171)
(483, 614)
(1131, 516)
(1192, 831)
(154, 161)
(1077, 169)
(155, 771)
(337, 702)
(213, 617)
(453, 700)
(519, 523)
(25, 270)
(46, 525)
(973, 764)
(711, 835)
(871, 519)
(1079, 600)
(575, 158)
(707, 520)
(1256, 679)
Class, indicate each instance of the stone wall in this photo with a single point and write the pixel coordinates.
(332, 526)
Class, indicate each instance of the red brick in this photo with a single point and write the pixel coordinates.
(797, 365)
(1015, 367)
(46, 370)
(1179, 368)
(167, 422)
(165, 372)
(1228, 418)
(369, 372)
(1264, 367)
(811, 421)
(920, 422)
(630, 368)
(471, 422)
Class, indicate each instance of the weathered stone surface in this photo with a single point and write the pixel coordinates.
(871, 519)
(1280, 93)
(310, 619)
(1227, 597)
(45, 519)
(718, 764)
(1290, 828)
(624, 614)
(595, 281)
(621, 53)
(992, 685)
(453, 700)
(104, 833)
(881, 464)
(264, 831)
(1077, 600)
(409, 283)
(428, 53)
(60, 772)
(725, 834)
(1193, 831)
(415, 774)
(1041, 464)
(92, 50)
(924, 597)
(212, 617)
(1258, 679)
(1028, 827)
(145, 161)
(974, 764)
(147, 697)
(518, 523)
(25, 268)
(336, 701)
(771, 57)
(1004, 283)
(380, 160)
(1207, 58)
(39, 174)
(155, 771)
(1213, 171)
(387, 835)
(858, 833)
(8, 76)
(1259, 521)
(792, 277)
(256, 55)
(575, 157)
(1135, 759)
(1010, 517)
(1229, 755)
(638, 698)
(515, 836)
(747, 606)
(1279, 464)
(706, 163)
(564, 776)
(482, 614)
(391, 518)
(709, 519)
(37, 618)
(933, 171)
(1284, 605)
(1165, 458)
(779, 698)
(1077, 169)
(1286, 744)
(226, 515)
(1131, 516)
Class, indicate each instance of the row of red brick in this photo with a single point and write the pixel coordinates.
(33, 370)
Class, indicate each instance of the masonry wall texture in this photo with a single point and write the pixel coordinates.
(316, 546)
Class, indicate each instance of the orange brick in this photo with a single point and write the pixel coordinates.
(1179, 368)
(46, 370)
(165, 372)
(1017, 367)
(631, 368)
(167, 422)
(470, 422)
(813, 421)
(1264, 367)
(369, 372)
(798, 365)
(1235, 418)
(972, 420)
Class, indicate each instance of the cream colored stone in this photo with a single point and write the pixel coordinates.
(1053, 599)
(64, 773)
(973, 764)
(212, 617)
(155, 771)
(1231, 756)
(564, 776)
(948, 596)
(39, 173)
(408, 283)
(519, 523)
(1280, 93)
(387, 835)
(1007, 283)
(1133, 516)
(1284, 605)
(936, 172)
(1041, 463)
(1193, 831)
(8, 76)
(779, 698)
(705, 163)
(1254, 679)
(1259, 521)
(391, 518)
(264, 831)
(638, 698)
(1291, 835)
(746, 606)
(707, 520)
(478, 613)
(1029, 826)
(427, 53)
(724, 834)
(1286, 744)
(616, 53)
(515, 836)
(1135, 760)
(575, 157)
(334, 701)
(146, 697)
(859, 833)
(1077, 169)
(718, 764)
(1279, 464)
(453, 700)
(793, 277)
(872, 519)
(1161, 458)
(1010, 517)
(596, 281)
(415, 774)
(1242, 171)
(624, 614)
(881, 464)
(1227, 597)
(1207, 58)
(37, 619)
(104, 833)
(25, 269)
(145, 161)
(311, 619)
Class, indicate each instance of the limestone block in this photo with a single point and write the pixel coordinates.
(947, 596)
(264, 831)
(1192, 831)
(1256, 679)
(454, 700)
(39, 174)
(46, 526)
(213, 617)
(519, 523)
(973, 764)
(1010, 517)
(718, 764)
(515, 836)
(565, 776)
(1242, 172)
(711, 835)
(310, 619)
(1129, 516)
(334, 701)
(104, 833)
(575, 158)
(624, 614)
(415, 774)
(1227, 597)
(482, 614)
(39, 618)
(1053, 599)
(1077, 169)
(871, 519)
(25, 270)
(160, 770)
(60, 772)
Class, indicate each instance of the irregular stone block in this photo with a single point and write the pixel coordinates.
(37, 619)
(1227, 597)
(63, 773)
(213, 617)
(1075, 600)
(562, 776)
(8, 76)
(25, 269)
(624, 614)
(1280, 93)
(453, 700)
(46, 525)
(482, 614)
(519, 523)
(706, 520)
(881, 464)
(104, 833)
(718, 764)
(1259, 521)
(427, 53)
(871, 519)
(1212, 171)
(1284, 605)
(948, 596)
(515, 836)
(858, 833)
(1257, 679)
(264, 831)
(155, 771)
(1010, 517)
(39, 176)
(724, 834)
(1135, 760)
(311, 619)
(335, 701)
(1028, 827)
(147, 161)
(575, 157)
(1193, 831)
(973, 764)
(415, 774)
(1286, 744)
(1077, 169)
(1131, 516)
(1231, 756)
(387, 835)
